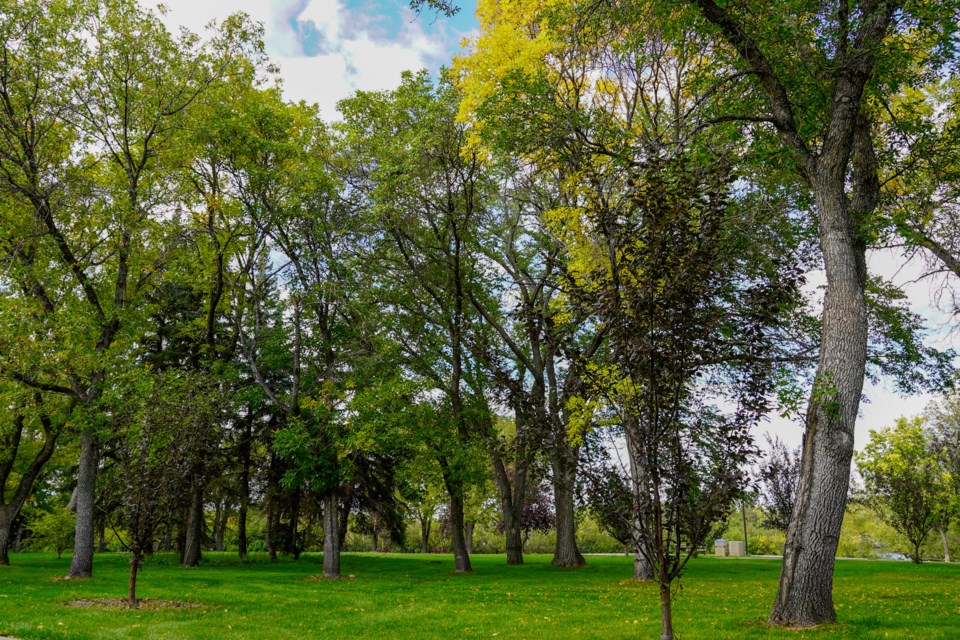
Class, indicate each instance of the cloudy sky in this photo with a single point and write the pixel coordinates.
(327, 49)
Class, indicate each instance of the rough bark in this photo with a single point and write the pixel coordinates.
(192, 548)
(81, 566)
(331, 536)
(946, 544)
(18, 539)
(564, 467)
(805, 596)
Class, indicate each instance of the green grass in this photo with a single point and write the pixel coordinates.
(419, 596)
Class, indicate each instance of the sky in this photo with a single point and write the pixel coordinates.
(328, 49)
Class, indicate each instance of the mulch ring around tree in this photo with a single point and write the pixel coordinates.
(143, 604)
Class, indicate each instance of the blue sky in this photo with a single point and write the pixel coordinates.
(327, 49)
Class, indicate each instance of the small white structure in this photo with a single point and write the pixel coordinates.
(720, 547)
(736, 548)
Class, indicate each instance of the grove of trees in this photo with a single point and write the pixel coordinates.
(571, 273)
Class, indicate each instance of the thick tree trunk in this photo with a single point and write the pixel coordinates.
(457, 539)
(946, 544)
(331, 536)
(916, 557)
(273, 515)
(6, 533)
(81, 566)
(192, 547)
(564, 467)
(805, 596)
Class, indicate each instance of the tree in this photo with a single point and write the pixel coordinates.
(421, 193)
(779, 475)
(905, 480)
(23, 454)
(53, 529)
(166, 424)
(811, 75)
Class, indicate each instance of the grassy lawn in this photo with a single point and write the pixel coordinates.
(419, 596)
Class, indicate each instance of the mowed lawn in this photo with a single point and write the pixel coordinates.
(419, 596)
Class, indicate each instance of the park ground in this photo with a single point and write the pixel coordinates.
(418, 596)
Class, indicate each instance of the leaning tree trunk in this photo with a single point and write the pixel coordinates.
(946, 544)
(192, 551)
(805, 595)
(81, 566)
(425, 525)
(563, 463)
(331, 536)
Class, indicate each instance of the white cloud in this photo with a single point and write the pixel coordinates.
(324, 50)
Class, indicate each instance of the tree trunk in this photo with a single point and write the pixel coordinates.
(273, 515)
(666, 613)
(375, 546)
(564, 466)
(468, 529)
(946, 544)
(102, 536)
(132, 590)
(642, 547)
(192, 550)
(18, 539)
(81, 566)
(292, 547)
(916, 558)
(805, 595)
(331, 536)
(245, 445)
(425, 525)
(6, 531)
(458, 541)
(511, 503)
(168, 540)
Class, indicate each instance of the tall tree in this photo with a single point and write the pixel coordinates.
(813, 73)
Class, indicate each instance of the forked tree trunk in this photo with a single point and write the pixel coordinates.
(511, 505)
(331, 536)
(81, 565)
(425, 525)
(564, 467)
(946, 544)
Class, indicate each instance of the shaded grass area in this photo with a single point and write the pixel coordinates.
(419, 596)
